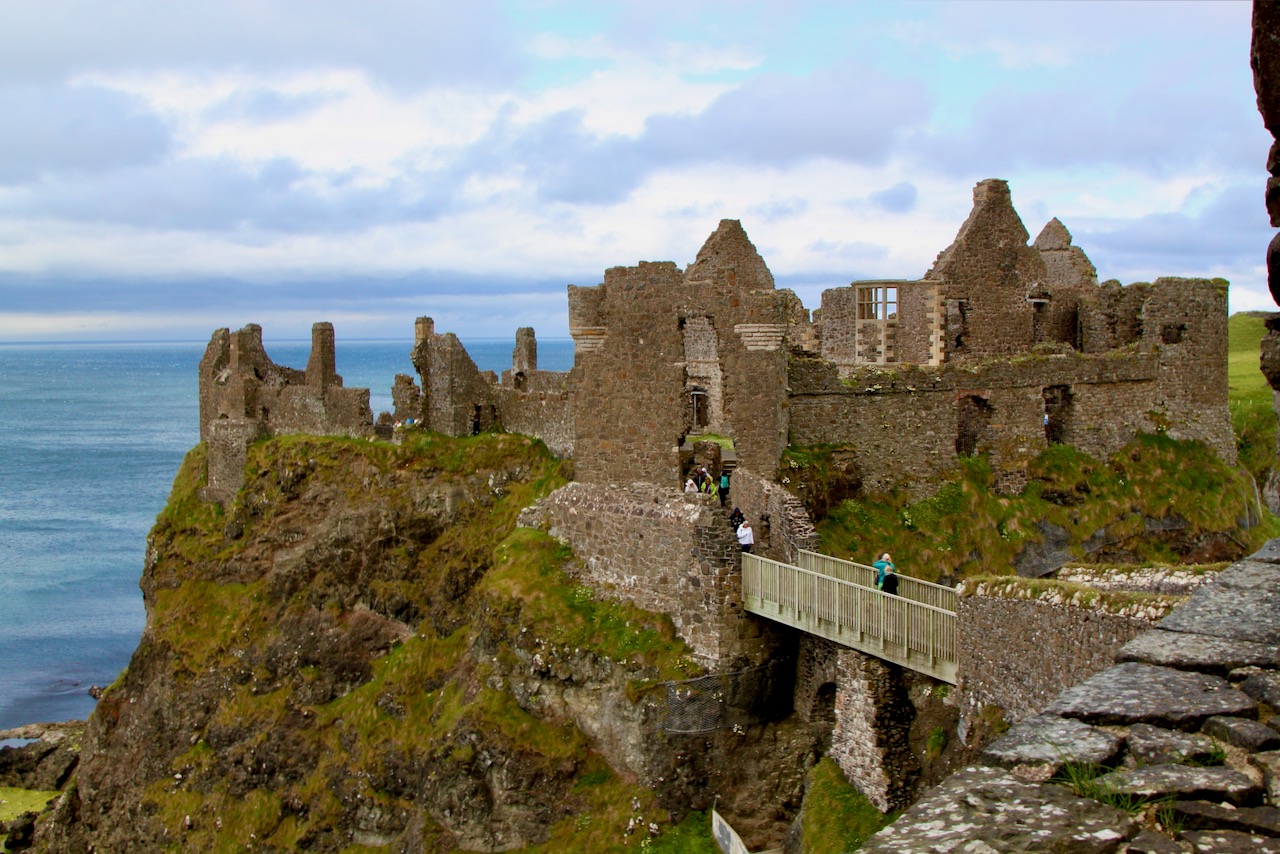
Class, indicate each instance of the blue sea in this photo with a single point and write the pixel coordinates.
(91, 436)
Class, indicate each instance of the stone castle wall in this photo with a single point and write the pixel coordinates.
(1004, 659)
(544, 414)
(983, 278)
(245, 396)
(873, 725)
(644, 337)
(781, 524)
(663, 551)
(909, 424)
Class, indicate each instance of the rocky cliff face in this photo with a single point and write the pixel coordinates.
(362, 650)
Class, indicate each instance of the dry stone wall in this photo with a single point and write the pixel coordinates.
(1019, 654)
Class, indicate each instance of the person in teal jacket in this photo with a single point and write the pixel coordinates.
(883, 566)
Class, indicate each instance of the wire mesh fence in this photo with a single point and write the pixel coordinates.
(724, 700)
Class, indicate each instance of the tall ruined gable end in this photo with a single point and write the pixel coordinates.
(729, 255)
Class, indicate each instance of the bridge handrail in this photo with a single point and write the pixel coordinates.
(922, 631)
(915, 589)
(868, 587)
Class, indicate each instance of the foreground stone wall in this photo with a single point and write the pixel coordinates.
(664, 551)
(1200, 688)
(1020, 654)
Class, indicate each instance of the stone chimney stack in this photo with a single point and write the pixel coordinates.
(322, 367)
(524, 358)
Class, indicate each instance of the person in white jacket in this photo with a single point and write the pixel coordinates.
(746, 537)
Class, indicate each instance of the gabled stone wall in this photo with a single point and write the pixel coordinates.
(983, 279)
(635, 335)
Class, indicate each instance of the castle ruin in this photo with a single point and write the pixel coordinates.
(1002, 348)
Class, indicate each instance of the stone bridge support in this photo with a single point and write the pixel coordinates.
(873, 720)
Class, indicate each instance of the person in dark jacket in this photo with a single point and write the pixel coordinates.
(890, 583)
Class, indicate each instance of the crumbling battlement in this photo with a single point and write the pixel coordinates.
(244, 396)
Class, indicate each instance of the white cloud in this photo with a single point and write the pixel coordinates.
(502, 150)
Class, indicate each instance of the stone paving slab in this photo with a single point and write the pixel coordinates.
(1153, 782)
(1245, 734)
(1263, 687)
(1230, 842)
(1153, 745)
(1243, 603)
(1269, 764)
(1051, 741)
(1144, 693)
(1201, 815)
(989, 810)
(1191, 651)
(1269, 553)
(1150, 842)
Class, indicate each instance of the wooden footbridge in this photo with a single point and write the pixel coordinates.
(837, 600)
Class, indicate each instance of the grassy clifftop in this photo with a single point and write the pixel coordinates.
(331, 664)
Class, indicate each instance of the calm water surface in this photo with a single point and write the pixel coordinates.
(90, 439)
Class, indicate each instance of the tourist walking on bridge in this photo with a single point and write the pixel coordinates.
(890, 583)
(882, 566)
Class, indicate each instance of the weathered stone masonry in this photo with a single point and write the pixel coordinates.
(664, 551)
(1020, 654)
(244, 396)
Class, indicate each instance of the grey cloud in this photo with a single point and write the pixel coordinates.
(60, 292)
(1230, 231)
(78, 129)
(770, 121)
(777, 209)
(1231, 224)
(900, 198)
(262, 105)
(404, 42)
(1156, 128)
(224, 195)
(848, 113)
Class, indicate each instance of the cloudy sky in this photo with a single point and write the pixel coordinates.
(169, 168)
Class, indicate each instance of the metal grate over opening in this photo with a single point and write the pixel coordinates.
(725, 700)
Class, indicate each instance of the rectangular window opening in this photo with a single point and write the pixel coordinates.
(877, 303)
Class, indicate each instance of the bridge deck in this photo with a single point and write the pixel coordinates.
(910, 633)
